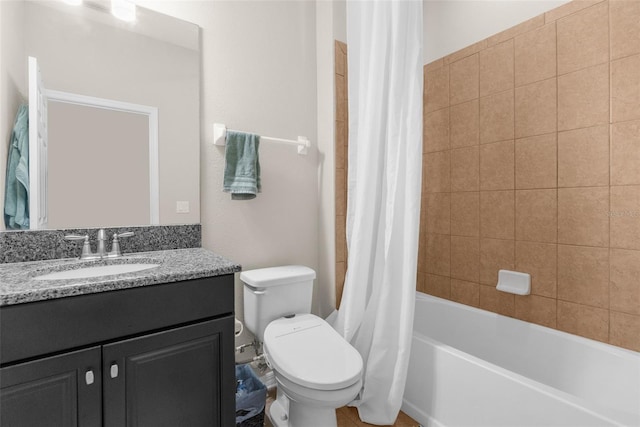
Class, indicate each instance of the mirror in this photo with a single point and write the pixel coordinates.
(101, 158)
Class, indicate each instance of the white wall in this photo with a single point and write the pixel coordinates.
(259, 75)
(450, 25)
(340, 20)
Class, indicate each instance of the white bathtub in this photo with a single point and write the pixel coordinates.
(471, 367)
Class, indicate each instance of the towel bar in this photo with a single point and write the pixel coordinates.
(220, 138)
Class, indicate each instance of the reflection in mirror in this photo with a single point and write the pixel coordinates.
(102, 133)
(155, 62)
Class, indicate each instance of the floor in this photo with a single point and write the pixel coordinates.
(348, 417)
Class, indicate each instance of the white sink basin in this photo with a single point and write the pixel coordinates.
(96, 271)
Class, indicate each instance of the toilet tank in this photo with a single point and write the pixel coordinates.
(271, 293)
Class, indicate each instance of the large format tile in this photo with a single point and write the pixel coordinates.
(583, 275)
(436, 88)
(536, 162)
(437, 172)
(464, 124)
(465, 258)
(540, 261)
(583, 98)
(492, 299)
(625, 89)
(497, 166)
(625, 330)
(625, 27)
(465, 214)
(496, 68)
(464, 80)
(625, 153)
(535, 55)
(465, 292)
(439, 286)
(537, 215)
(497, 214)
(536, 309)
(590, 322)
(436, 131)
(625, 281)
(583, 157)
(625, 217)
(583, 39)
(497, 117)
(438, 254)
(495, 255)
(439, 213)
(535, 108)
(465, 175)
(583, 216)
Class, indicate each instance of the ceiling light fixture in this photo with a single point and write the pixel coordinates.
(123, 9)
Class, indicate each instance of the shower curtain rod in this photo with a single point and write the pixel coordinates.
(220, 138)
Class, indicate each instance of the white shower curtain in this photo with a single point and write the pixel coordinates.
(384, 39)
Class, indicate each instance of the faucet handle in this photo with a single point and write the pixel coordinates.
(125, 234)
(86, 248)
(76, 237)
(115, 244)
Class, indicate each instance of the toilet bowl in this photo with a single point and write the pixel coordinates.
(316, 370)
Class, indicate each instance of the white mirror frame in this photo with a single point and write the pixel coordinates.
(150, 112)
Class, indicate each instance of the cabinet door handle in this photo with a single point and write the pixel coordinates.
(114, 370)
(88, 377)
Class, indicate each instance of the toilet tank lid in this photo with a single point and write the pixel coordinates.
(276, 276)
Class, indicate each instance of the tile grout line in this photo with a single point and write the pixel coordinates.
(515, 210)
(450, 173)
(610, 149)
(479, 209)
(555, 27)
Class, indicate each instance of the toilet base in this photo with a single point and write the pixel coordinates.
(299, 406)
(277, 415)
(301, 415)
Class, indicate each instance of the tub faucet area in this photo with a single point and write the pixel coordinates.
(101, 251)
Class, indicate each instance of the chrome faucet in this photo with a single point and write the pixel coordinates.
(115, 244)
(101, 251)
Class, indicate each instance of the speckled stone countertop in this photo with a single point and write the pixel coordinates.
(18, 284)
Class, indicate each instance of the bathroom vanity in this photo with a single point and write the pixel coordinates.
(149, 348)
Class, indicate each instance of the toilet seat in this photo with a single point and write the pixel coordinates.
(307, 351)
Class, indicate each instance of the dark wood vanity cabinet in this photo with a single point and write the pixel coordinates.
(57, 391)
(171, 364)
(171, 378)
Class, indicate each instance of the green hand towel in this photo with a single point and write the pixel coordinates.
(242, 165)
(16, 195)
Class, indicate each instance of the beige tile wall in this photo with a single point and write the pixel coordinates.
(532, 162)
(342, 130)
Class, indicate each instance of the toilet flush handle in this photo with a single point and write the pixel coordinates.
(257, 292)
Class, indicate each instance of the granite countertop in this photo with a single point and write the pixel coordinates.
(18, 284)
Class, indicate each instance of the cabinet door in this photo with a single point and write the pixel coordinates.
(57, 391)
(180, 377)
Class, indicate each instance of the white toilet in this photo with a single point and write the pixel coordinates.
(316, 370)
